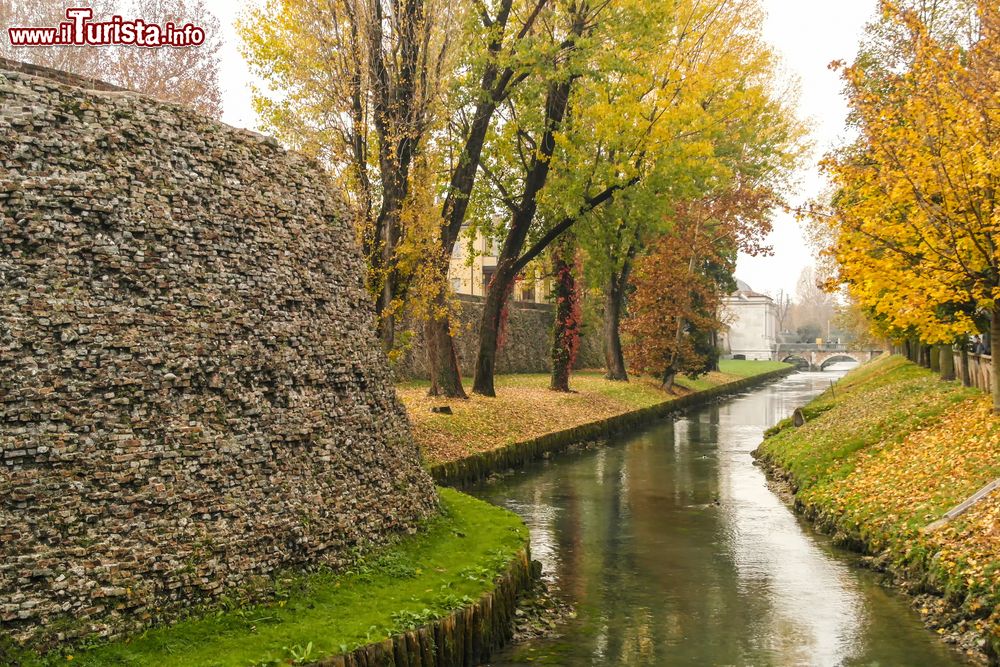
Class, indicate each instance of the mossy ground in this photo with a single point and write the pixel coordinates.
(525, 408)
(886, 452)
(450, 562)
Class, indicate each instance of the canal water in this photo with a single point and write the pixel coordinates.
(674, 551)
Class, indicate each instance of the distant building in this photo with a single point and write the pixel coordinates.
(473, 265)
(752, 324)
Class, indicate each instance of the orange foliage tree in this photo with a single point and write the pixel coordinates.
(676, 301)
(675, 309)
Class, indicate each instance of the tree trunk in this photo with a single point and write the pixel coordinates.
(925, 355)
(489, 330)
(442, 358)
(995, 354)
(509, 262)
(566, 328)
(390, 221)
(946, 362)
(614, 358)
(966, 376)
(713, 363)
(494, 87)
(934, 354)
(668, 381)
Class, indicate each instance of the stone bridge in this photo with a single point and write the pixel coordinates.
(817, 357)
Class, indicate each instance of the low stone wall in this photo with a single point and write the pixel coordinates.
(478, 466)
(75, 80)
(528, 346)
(465, 638)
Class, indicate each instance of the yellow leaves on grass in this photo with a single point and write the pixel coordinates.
(524, 408)
(895, 490)
(969, 550)
(933, 469)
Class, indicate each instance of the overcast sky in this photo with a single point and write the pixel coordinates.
(808, 34)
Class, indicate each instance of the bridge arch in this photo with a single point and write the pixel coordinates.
(837, 358)
(798, 360)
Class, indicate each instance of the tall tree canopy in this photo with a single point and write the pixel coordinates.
(915, 217)
(357, 83)
(524, 119)
(656, 103)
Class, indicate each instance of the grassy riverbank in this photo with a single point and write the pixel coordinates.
(883, 454)
(448, 564)
(525, 408)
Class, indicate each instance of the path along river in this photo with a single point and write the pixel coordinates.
(674, 551)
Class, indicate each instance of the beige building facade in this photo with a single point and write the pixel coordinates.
(474, 261)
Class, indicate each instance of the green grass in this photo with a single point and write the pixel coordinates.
(878, 403)
(635, 394)
(452, 561)
(745, 368)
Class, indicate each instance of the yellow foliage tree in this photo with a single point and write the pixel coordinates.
(914, 217)
(357, 84)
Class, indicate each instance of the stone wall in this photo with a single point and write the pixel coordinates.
(527, 349)
(191, 394)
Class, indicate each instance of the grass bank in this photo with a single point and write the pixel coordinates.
(886, 452)
(525, 408)
(447, 565)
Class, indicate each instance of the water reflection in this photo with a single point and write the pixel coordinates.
(814, 610)
(675, 552)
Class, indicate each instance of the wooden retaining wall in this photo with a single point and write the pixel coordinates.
(465, 638)
(477, 466)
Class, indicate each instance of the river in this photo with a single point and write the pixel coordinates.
(674, 551)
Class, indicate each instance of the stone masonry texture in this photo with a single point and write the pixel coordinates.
(527, 348)
(191, 393)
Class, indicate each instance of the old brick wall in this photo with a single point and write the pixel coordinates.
(191, 395)
(527, 349)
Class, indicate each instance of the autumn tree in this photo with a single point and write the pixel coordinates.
(677, 301)
(338, 67)
(914, 215)
(858, 326)
(675, 311)
(690, 98)
(357, 83)
(184, 75)
(545, 104)
(503, 49)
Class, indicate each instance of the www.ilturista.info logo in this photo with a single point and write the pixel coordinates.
(79, 30)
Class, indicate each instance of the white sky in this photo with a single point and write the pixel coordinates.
(808, 35)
